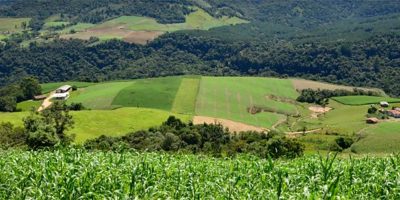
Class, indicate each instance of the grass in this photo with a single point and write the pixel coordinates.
(90, 124)
(12, 25)
(382, 138)
(78, 174)
(185, 99)
(99, 96)
(229, 98)
(199, 19)
(364, 100)
(156, 93)
(77, 27)
(48, 87)
(2, 37)
(28, 105)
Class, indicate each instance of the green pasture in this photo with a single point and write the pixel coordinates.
(12, 25)
(90, 124)
(230, 97)
(185, 99)
(381, 138)
(2, 37)
(363, 100)
(99, 96)
(48, 87)
(156, 93)
(28, 105)
(199, 19)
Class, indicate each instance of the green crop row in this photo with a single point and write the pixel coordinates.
(78, 174)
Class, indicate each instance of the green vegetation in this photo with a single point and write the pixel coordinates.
(79, 174)
(90, 124)
(231, 97)
(363, 100)
(99, 96)
(53, 24)
(149, 93)
(185, 98)
(28, 105)
(382, 138)
(77, 27)
(49, 87)
(13, 25)
(196, 20)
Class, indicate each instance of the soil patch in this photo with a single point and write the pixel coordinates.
(318, 110)
(138, 37)
(301, 84)
(232, 125)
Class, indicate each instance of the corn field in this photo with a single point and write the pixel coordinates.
(77, 174)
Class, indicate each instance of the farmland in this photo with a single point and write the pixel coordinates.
(230, 98)
(12, 25)
(142, 29)
(363, 100)
(119, 107)
(75, 173)
(149, 93)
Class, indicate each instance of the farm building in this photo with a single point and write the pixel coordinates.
(372, 120)
(39, 97)
(64, 89)
(394, 113)
(61, 96)
(384, 104)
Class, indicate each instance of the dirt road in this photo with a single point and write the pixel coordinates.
(46, 103)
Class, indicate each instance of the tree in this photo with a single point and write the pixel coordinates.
(30, 87)
(8, 104)
(47, 129)
(372, 110)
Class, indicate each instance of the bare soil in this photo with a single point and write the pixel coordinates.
(301, 84)
(232, 125)
(138, 37)
(318, 110)
(46, 103)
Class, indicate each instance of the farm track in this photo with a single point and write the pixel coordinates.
(46, 103)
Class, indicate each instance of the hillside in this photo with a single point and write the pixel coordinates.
(238, 103)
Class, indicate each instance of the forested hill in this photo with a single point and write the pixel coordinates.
(299, 13)
(372, 62)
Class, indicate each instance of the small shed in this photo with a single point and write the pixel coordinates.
(384, 104)
(61, 96)
(372, 120)
(64, 89)
(39, 97)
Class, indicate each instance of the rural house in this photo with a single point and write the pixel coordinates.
(64, 89)
(394, 113)
(61, 96)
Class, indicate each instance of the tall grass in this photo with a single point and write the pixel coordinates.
(77, 174)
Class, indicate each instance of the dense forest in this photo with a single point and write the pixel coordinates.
(373, 62)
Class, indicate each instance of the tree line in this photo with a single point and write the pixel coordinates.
(368, 63)
(321, 97)
(24, 89)
(47, 130)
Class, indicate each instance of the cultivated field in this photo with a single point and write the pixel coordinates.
(185, 99)
(78, 174)
(12, 25)
(301, 84)
(156, 93)
(231, 97)
(363, 100)
(141, 30)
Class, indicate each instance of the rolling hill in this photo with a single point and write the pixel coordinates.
(253, 103)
